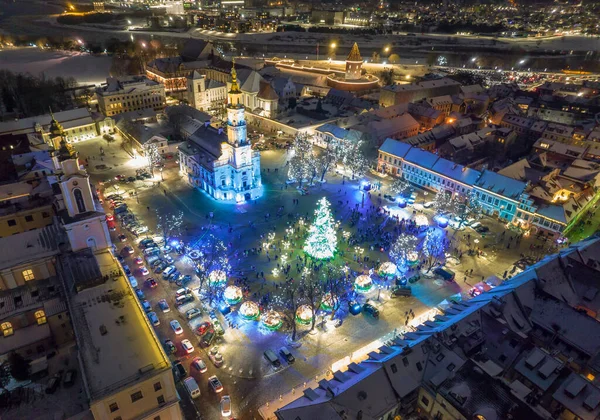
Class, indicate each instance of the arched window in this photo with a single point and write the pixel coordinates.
(7, 329)
(79, 200)
(40, 317)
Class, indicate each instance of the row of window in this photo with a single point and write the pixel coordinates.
(28, 218)
(140, 96)
(136, 396)
(8, 330)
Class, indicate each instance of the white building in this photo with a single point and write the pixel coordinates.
(205, 94)
(222, 163)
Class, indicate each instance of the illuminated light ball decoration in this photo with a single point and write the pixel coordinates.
(421, 220)
(304, 315)
(272, 320)
(232, 295)
(322, 241)
(217, 277)
(412, 258)
(387, 269)
(363, 283)
(327, 303)
(249, 310)
(194, 255)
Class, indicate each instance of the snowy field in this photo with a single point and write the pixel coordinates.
(85, 68)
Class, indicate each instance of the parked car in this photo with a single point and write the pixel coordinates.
(204, 327)
(482, 229)
(187, 346)
(147, 243)
(226, 406)
(193, 313)
(287, 355)
(164, 306)
(126, 269)
(144, 271)
(133, 281)
(122, 238)
(216, 358)
(179, 369)
(272, 358)
(215, 384)
(218, 327)
(182, 300)
(444, 273)
(69, 379)
(183, 291)
(371, 310)
(168, 271)
(428, 204)
(138, 260)
(176, 327)
(153, 319)
(127, 250)
(207, 338)
(199, 365)
(53, 384)
(146, 305)
(399, 291)
(170, 347)
(140, 294)
(150, 283)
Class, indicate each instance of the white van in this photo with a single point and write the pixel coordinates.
(192, 387)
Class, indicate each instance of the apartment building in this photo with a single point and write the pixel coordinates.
(500, 196)
(527, 349)
(135, 93)
(205, 94)
(398, 94)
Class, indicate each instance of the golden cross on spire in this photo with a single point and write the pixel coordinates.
(234, 84)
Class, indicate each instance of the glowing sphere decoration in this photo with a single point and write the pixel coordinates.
(421, 220)
(249, 310)
(232, 295)
(217, 277)
(412, 258)
(442, 221)
(363, 283)
(387, 269)
(272, 320)
(194, 255)
(304, 315)
(327, 303)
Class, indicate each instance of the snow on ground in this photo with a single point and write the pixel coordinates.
(85, 68)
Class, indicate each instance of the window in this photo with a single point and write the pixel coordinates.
(7, 329)
(113, 407)
(79, 200)
(405, 361)
(425, 400)
(157, 386)
(136, 396)
(12, 222)
(160, 399)
(28, 275)
(29, 218)
(419, 366)
(40, 317)
(394, 368)
(45, 214)
(451, 367)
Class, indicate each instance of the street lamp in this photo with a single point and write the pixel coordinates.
(386, 49)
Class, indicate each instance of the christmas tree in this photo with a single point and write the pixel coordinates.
(321, 241)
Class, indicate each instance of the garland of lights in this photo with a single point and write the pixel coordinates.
(322, 240)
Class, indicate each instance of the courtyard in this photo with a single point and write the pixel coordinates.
(262, 238)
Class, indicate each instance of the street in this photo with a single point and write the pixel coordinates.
(246, 375)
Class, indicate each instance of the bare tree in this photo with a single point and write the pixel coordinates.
(330, 157)
(336, 286)
(290, 298)
(213, 258)
(312, 292)
(153, 156)
(168, 224)
(354, 160)
(301, 165)
(400, 186)
(443, 202)
(433, 248)
(469, 208)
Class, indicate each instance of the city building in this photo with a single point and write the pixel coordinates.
(134, 93)
(222, 163)
(511, 352)
(511, 200)
(398, 94)
(205, 94)
(78, 124)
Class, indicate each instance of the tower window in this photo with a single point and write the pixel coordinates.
(40, 317)
(28, 275)
(79, 200)
(7, 329)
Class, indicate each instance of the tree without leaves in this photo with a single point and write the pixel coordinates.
(400, 186)
(354, 159)
(168, 224)
(290, 297)
(301, 165)
(153, 156)
(330, 157)
(213, 257)
(312, 292)
(433, 248)
(336, 285)
(469, 208)
(443, 202)
(401, 249)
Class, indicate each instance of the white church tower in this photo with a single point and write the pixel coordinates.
(244, 161)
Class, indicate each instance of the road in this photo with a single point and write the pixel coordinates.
(247, 377)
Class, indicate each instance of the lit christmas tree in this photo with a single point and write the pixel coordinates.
(321, 242)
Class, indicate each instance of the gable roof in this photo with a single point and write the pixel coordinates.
(195, 49)
(502, 185)
(252, 84)
(267, 92)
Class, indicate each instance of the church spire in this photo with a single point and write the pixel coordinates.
(234, 93)
(354, 54)
(235, 88)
